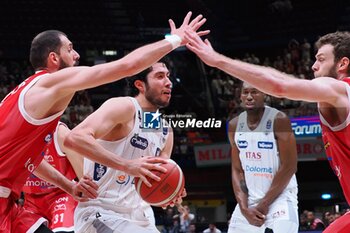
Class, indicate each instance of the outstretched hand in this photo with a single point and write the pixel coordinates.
(142, 168)
(85, 189)
(192, 26)
(202, 49)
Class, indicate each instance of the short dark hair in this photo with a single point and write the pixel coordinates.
(339, 40)
(142, 76)
(42, 45)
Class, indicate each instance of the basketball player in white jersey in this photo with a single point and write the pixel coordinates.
(264, 162)
(116, 127)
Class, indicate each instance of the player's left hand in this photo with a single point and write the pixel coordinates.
(193, 26)
(177, 200)
(85, 189)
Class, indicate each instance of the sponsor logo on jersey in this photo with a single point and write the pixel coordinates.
(265, 145)
(62, 199)
(49, 158)
(257, 169)
(139, 142)
(242, 144)
(123, 179)
(38, 183)
(279, 213)
(59, 207)
(48, 137)
(253, 155)
(99, 171)
(29, 165)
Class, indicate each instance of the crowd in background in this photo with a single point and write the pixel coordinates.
(225, 93)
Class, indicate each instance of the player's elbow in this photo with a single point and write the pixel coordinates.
(72, 140)
(279, 90)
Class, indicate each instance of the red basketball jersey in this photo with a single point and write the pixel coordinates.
(337, 147)
(22, 138)
(56, 158)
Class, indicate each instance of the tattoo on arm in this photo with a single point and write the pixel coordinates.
(244, 186)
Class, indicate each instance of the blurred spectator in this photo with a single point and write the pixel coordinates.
(305, 50)
(327, 218)
(313, 222)
(186, 218)
(303, 224)
(192, 228)
(212, 229)
(168, 220)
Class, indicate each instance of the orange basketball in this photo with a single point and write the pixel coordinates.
(161, 193)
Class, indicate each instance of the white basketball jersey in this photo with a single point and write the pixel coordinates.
(116, 189)
(259, 156)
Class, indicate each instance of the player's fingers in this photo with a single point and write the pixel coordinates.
(191, 36)
(207, 42)
(82, 199)
(195, 21)
(157, 167)
(152, 175)
(145, 181)
(87, 190)
(172, 25)
(203, 33)
(187, 18)
(178, 200)
(192, 48)
(183, 193)
(156, 160)
(196, 26)
(90, 182)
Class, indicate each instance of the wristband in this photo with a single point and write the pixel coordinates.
(174, 40)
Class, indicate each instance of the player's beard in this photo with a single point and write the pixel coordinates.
(63, 64)
(150, 95)
(331, 73)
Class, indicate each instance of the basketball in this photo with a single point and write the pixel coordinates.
(161, 193)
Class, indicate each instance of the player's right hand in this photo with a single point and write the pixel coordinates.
(142, 168)
(254, 216)
(202, 49)
(85, 189)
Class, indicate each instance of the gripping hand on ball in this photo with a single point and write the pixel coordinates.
(142, 168)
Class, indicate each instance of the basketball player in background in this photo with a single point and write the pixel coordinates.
(330, 90)
(264, 162)
(55, 206)
(30, 113)
(116, 128)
